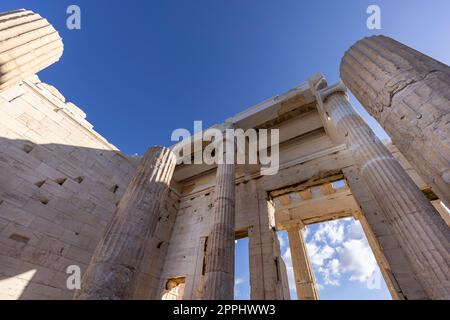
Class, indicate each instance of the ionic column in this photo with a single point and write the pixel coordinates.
(116, 261)
(219, 262)
(418, 227)
(305, 282)
(28, 44)
(268, 274)
(409, 94)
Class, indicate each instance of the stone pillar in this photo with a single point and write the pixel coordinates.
(268, 273)
(418, 227)
(28, 44)
(409, 94)
(116, 261)
(219, 262)
(305, 282)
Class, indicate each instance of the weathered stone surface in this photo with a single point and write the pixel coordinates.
(421, 232)
(52, 157)
(115, 263)
(219, 259)
(409, 94)
(268, 274)
(28, 44)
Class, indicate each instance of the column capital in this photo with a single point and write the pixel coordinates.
(358, 215)
(335, 88)
(298, 226)
(229, 125)
(317, 82)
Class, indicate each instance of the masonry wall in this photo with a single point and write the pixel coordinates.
(60, 182)
(186, 250)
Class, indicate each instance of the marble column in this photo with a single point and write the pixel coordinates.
(268, 273)
(219, 263)
(409, 94)
(305, 282)
(420, 230)
(118, 256)
(28, 44)
(391, 258)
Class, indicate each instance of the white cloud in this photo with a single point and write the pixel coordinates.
(331, 272)
(318, 254)
(356, 258)
(340, 248)
(239, 281)
(332, 231)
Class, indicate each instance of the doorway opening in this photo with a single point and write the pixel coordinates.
(241, 267)
(343, 263)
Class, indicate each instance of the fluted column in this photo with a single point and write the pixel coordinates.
(421, 232)
(409, 94)
(305, 282)
(219, 262)
(28, 44)
(116, 261)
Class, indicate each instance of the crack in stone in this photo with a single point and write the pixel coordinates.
(397, 88)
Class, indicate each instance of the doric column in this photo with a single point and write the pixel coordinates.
(28, 44)
(116, 261)
(418, 227)
(409, 94)
(305, 282)
(219, 262)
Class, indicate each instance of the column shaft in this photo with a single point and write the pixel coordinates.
(219, 268)
(418, 227)
(117, 259)
(304, 277)
(409, 94)
(267, 269)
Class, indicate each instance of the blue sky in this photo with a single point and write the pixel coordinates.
(141, 69)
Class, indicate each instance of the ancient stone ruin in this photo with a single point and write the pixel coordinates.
(149, 228)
